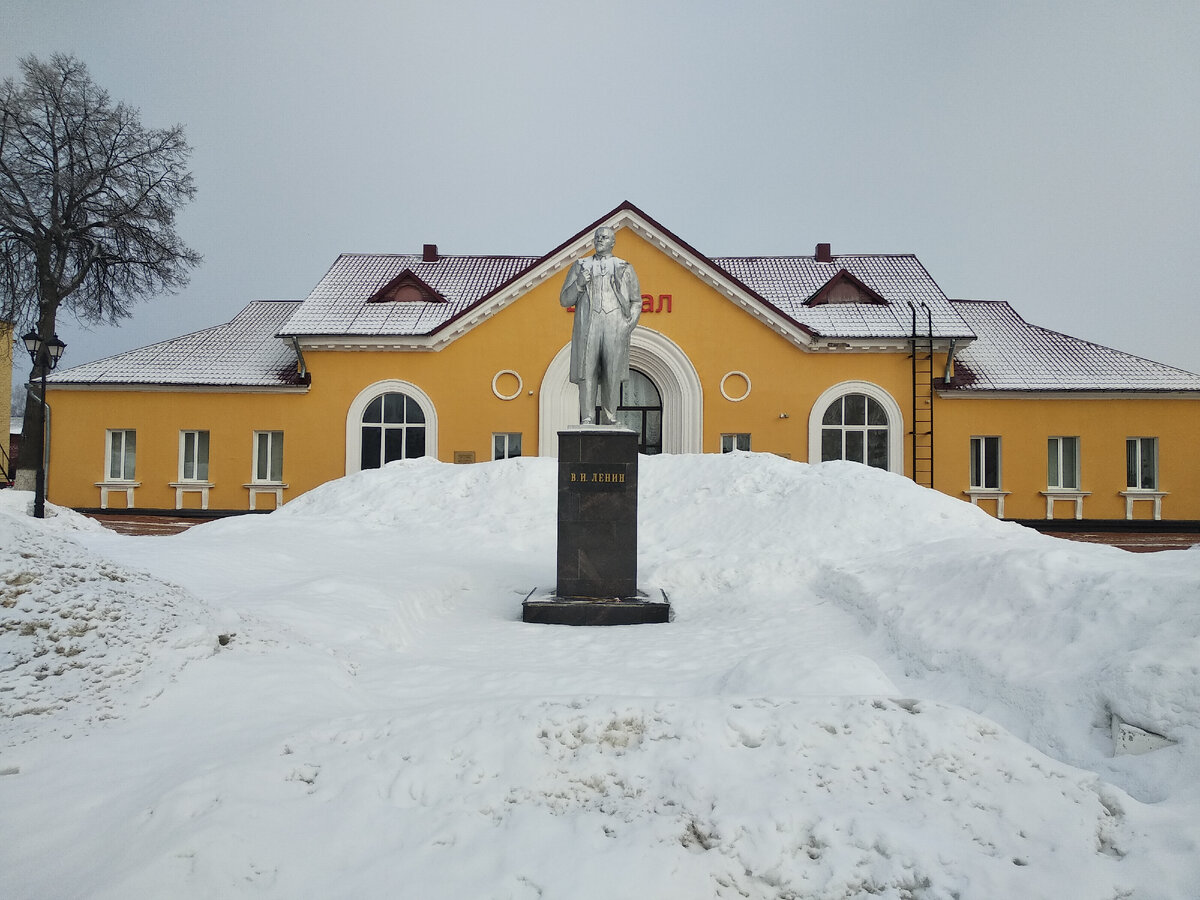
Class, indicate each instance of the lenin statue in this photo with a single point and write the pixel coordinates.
(607, 299)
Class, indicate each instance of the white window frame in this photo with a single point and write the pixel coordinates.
(124, 482)
(359, 405)
(124, 456)
(1138, 445)
(192, 436)
(978, 471)
(506, 437)
(1055, 480)
(1136, 493)
(192, 482)
(257, 477)
(1056, 491)
(895, 420)
(731, 441)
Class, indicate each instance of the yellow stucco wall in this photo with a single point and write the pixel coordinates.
(1102, 426)
(81, 419)
(717, 336)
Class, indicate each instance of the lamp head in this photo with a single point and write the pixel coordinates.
(33, 343)
(55, 349)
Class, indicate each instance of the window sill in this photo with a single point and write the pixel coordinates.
(276, 488)
(199, 487)
(108, 486)
(1069, 495)
(977, 494)
(1135, 494)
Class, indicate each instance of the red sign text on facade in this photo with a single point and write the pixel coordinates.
(649, 304)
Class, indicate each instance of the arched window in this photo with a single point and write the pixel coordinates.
(393, 427)
(641, 410)
(379, 429)
(857, 421)
(855, 427)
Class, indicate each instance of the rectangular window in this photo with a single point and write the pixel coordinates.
(122, 453)
(268, 457)
(193, 456)
(1062, 463)
(1141, 464)
(506, 445)
(731, 442)
(985, 463)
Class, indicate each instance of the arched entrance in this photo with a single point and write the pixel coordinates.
(641, 410)
(656, 357)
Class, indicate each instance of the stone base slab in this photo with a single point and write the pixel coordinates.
(551, 609)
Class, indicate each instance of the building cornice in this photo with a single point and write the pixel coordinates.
(137, 388)
(1068, 395)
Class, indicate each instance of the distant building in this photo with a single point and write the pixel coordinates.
(465, 358)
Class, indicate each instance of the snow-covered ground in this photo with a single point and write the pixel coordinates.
(868, 690)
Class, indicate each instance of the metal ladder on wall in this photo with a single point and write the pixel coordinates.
(921, 346)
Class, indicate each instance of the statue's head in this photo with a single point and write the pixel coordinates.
(605, 238)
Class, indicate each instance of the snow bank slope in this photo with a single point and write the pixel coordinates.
(820, 720)
(80, 636)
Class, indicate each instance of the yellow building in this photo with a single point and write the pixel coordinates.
(465, 358)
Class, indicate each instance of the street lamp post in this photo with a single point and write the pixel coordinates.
(45, 356)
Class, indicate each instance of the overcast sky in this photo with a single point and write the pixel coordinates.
(1047, 154)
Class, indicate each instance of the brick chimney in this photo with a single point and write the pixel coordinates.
(823, 253)
(430, 253)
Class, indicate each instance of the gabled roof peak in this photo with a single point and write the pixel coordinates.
(844, 287)
(407, 287)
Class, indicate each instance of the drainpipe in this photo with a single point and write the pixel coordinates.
(950, 360)
(300, 357)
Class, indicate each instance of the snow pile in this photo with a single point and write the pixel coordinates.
(1048, 636)
(80, 636)
(869, 689)
(833, 797)
(20, 504)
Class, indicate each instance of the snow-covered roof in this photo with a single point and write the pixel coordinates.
(416, 295)
(788, 282)
(341, 304)
(1009, 354)
(244, 352)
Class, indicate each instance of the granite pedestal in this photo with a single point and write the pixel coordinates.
(597, 535)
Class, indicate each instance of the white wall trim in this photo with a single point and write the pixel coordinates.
(894, 416)
(515, 394)
(741, 375)
(355, 413)
(667, 366)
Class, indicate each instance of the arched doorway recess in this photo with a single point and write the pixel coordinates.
(662, 361)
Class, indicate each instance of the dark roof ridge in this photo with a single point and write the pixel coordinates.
(812, 256)
(441, 256)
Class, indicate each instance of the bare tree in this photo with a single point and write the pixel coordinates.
(88, 198)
